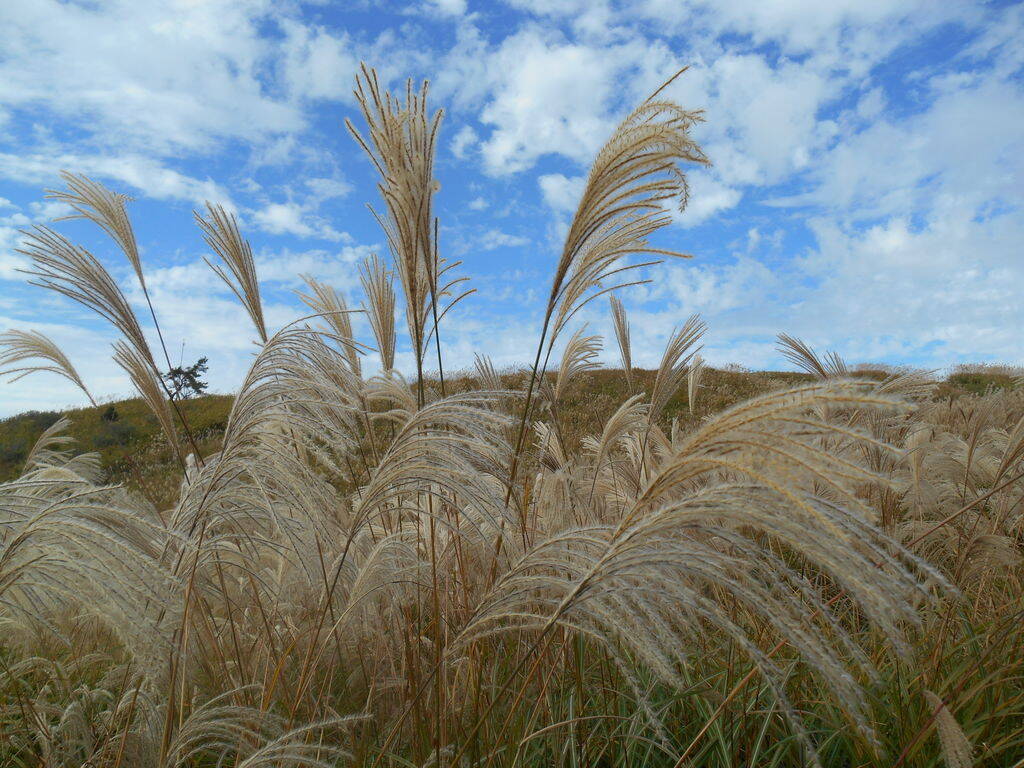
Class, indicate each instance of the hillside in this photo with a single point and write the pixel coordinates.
(124, 433)
(127, 436)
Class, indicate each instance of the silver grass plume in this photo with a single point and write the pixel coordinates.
(379, 286)
(61, 266)
(632, 179)
(220, 230)
(693, 380)
(579, 356)
(105, 208)
(628, 418)
(51, 455)
(220, 729)
(805, 358)
(108, 210)
(331, 306)
(43, 451)
(945, 461)
(956, 748)
(401, 143)
(146, 381)
(634, 176)
(72, 271)
(66, 543)
(17, 346)
(454, 444)
(487, 375)
(675, 363)
(621, 324)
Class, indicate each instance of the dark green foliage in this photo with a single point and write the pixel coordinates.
(185, 382)
(17, 436)
(978, 383)
(130, 433)
(116, 434)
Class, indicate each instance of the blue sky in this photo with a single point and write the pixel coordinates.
(866, 193)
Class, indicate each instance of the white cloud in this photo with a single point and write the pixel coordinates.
(318, 64)
(708, 196)
(334, 267)
(493, 238)
(49, 210)
(917, 231)
(548, 95)
(477, 204)
(464, 141)
(967, 144)
(447, 7)
(12, 222)
(715, 290)
(142, 173)
(11, 262)
(462, 75)
(294, 219)
(593, 19)
(560, 192)
(769, 113)
(947, 290)
(541, 93)
(327, 188)
(1000, 39)
(159, 75)
(871, 105)
(279, 218)
(847, 33)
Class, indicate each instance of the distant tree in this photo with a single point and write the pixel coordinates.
(110, 414)
(185, 382)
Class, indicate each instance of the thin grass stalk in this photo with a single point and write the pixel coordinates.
(960, 682)
(433, 309)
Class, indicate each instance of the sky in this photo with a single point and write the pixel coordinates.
(866, 192)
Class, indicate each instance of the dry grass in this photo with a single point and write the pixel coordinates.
(569, 566)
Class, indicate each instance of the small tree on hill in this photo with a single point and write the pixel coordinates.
(185, 381)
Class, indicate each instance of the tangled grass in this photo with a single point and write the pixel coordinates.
(375, 571)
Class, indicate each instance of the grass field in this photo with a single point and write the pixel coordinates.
(561, 564)
(132, 432)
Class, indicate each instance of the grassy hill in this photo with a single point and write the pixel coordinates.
(126, 434)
